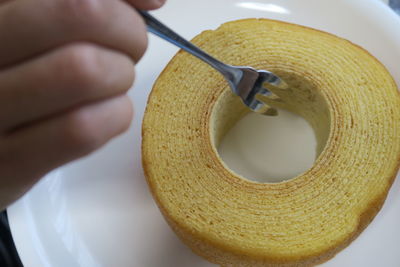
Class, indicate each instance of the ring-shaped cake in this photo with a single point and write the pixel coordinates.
(346, 95)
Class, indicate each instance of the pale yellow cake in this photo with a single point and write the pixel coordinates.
(347, 96)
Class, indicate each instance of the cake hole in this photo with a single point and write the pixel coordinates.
(272, 149)
(269, 149)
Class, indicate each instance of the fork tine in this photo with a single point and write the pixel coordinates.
(262, 108)
(268, 99)
(267, 94)
(271, 79)
(264, 97)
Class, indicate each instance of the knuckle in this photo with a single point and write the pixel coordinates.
(80, 134)
(81, 66)
(125, 77)
(78, 12)
(142, 47)
(126, 119)
(90, 72)
(141, 38)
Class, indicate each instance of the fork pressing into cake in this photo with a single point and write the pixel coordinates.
(246, 82)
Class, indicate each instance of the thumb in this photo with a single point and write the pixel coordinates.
(146, 4)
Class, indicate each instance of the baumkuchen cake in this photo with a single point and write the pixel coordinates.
(346, 95)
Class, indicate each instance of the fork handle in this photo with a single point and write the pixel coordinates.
(156, 27)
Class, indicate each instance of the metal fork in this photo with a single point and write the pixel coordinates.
(246, 82)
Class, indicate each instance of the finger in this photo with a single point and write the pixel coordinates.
(147, 4)
(67, 77)
(30, 28)
(30, 153)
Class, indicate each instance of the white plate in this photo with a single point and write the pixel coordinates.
(98, 211)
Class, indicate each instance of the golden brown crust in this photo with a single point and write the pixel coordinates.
(346, 95)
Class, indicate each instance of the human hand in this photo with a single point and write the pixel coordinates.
(65, 67)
